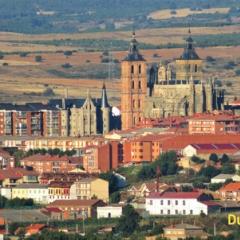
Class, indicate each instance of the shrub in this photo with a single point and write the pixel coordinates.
(66, 65)
(237, 72)
(23, 54)
(48, 92)
(68, 53)
(38, 58)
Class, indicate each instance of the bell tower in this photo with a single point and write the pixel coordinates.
(189, 64)
(134, 86)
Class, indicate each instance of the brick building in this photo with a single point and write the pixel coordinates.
(103, 158)
(77, 209)
(47, 163)
(214, 123)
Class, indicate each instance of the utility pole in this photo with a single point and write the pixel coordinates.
(214, 229)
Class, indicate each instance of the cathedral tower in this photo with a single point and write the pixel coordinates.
(189, 65)
(134, 86)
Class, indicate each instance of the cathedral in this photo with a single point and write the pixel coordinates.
(175, 88)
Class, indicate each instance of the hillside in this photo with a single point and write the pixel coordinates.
(44, 16)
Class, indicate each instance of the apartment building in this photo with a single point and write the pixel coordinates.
(47, 163)
(88, 188)
(214, 123)
(37, 192)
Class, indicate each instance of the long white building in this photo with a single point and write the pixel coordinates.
(179, 203)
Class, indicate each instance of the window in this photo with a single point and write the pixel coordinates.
(196, 68)
(139, 85)
(133, 103)
(176, 212)
(132, 84)
(161, 211)
(191, 212)
(176, 202)
(132, 69)
(161, 202)
(151, 202)
(139, 69)
(168, 212)
(184, 202)
(169, 202)
(184, 212)
(139, 103)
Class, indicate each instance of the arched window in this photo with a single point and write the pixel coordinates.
(139, 103)
(139, 85)
(140, 69)
(132, 69)
(133, 102)
(196, 68)
(132, 84)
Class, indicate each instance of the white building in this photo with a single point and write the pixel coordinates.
(179, 203)
(221, 178)
(109, 212)
(37, 192)
(6, 192)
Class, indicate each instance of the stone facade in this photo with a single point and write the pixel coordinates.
(173, 89)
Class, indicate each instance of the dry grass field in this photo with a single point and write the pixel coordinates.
(184, 12)
(25, 80)
(14, 42)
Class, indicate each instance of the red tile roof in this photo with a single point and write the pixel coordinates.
(217, 116)
(53, 209)
(47, 157)
(74, 203)
(231, 187)
(16, 173)
(217, 146)
(211, 203)
(34, 228)
(176, 195)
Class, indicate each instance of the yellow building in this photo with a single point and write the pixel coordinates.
(90, 188)
(37, 192)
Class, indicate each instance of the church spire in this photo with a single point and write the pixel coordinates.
(189, 51)
(104, 101)
(133, 52)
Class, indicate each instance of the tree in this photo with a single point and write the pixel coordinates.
(228, 169)
(209, 172)
(115, 197)
(68, 53)
(48, 92)
(197, 160)
(213, 157)
(215, 186)
(66, 65)
(146, 172)
(167, 163)
(129, 221)
(38, 58)
(23, 54)
(224, 159)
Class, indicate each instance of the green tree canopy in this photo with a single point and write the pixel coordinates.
(128, 222)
